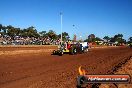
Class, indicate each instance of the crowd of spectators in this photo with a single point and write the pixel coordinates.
(18, 40)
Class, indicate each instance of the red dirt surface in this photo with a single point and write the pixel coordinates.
(48, 71)
(26, 47)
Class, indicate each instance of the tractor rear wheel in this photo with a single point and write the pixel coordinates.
(73, 51)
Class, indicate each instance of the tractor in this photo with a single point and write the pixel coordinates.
(69, 48)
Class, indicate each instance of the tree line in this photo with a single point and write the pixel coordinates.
(116, 38)
(32, 32)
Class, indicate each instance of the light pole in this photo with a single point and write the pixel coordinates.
(61, 27)
(74, 34)
(79, 34)
(76, 31)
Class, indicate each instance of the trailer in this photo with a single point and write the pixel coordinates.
(85, 46)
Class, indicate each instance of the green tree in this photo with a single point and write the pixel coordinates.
(23, 33)
(65, 36)
(18, 31)
(118, 38)
(4, 28)
(52, 34)
(43, 33)
(1, 27)
(107, 38)
(31, 32)
(91, 38)
(11, 31)
(129, 40)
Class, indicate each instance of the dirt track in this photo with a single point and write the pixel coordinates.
(46, 71)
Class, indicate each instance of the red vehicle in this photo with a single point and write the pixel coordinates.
(69, 48)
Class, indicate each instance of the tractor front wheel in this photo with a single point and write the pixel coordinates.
(54, 52)
(61, 53)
